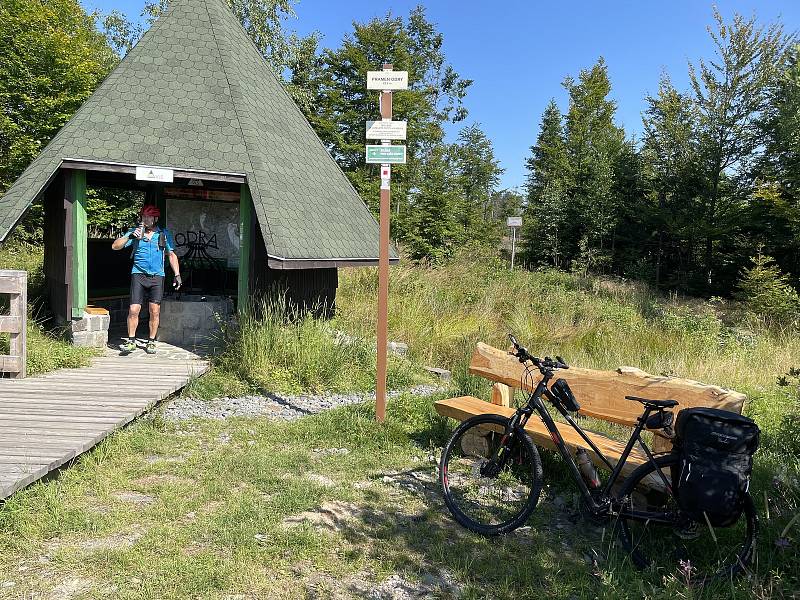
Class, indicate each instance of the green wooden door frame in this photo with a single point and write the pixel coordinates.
(245, 243)
(80, 233)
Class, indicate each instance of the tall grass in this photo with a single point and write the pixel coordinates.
(278, 348)
(441, 312)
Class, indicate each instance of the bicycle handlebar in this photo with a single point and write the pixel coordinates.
(543, 363)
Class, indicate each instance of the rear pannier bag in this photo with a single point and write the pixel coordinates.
(716, 450)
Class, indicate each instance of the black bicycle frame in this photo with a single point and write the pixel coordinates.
(535, 403)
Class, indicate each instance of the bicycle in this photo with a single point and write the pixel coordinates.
(491, 473)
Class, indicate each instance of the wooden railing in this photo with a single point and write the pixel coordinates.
(15, 283)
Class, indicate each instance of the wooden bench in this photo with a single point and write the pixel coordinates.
(601, 395)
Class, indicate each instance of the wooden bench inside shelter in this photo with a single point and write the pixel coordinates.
(601, 394)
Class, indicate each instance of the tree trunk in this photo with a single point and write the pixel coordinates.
(711, 225)
(660, 251)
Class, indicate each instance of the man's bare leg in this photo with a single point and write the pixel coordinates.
(155, 319)
(129, 345)
(133, 319)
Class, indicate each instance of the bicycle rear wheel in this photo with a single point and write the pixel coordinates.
(485, 495)
(694, 552)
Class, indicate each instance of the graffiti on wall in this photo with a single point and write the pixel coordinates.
(205, 231)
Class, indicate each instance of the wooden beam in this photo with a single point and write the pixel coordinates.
(10, 324)
(10, 281)
(602, 393)
(80, 257)
(302, 263)
(15, 283)
(245, 242)
(10, 364)
(130, 169)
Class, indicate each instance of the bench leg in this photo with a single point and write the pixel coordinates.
(502, 394)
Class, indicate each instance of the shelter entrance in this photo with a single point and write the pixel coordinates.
(208, 215)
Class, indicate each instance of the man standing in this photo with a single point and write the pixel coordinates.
(150, 244)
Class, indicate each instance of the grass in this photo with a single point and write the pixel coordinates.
(213, 498)
(218, 493)
(46, 351)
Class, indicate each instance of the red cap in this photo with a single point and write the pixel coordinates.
(148, 210)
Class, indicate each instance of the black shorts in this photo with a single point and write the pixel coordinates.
(150, 285)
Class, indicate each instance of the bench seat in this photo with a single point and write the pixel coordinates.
(464, 407)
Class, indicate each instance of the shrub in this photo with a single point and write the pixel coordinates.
(768, 294)
(787, 433)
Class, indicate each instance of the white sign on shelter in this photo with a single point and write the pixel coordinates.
(387, 80)
(153, 174)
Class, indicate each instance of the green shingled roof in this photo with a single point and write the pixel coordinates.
(196, 94)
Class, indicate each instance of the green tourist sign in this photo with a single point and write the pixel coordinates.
(393, 155)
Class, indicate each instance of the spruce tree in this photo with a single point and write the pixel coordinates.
(547, 205)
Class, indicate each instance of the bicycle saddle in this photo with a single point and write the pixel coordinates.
(659, 404)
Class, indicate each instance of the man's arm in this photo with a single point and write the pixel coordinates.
(176, 268)
(124, 240)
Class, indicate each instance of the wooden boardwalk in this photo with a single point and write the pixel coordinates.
(47, 421)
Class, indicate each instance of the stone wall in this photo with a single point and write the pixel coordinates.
(193, 321)
(91, 330)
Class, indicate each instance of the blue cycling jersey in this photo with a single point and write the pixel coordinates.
(148, 258)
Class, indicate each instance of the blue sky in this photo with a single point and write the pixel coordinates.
(519, 51)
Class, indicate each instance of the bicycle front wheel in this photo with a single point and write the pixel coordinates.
(692, 551)
(487, 495)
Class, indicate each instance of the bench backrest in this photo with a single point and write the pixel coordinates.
(602, 393)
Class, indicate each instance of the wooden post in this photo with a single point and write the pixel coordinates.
(513, 245)
(383, 273)
(80, 234)
(245, 221)
(502, 394)
(15, 283)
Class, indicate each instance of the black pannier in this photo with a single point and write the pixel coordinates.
(716, 448)
(564, 395)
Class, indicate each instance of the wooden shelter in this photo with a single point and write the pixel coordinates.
(195, 118)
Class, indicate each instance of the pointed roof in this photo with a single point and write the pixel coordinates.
(196, 94)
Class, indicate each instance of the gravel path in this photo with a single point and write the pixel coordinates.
(274, 406)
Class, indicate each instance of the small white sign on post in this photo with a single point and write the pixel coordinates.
(386, 130)
(387, 80)
(514, 221)
(153, 174)
(386, 176)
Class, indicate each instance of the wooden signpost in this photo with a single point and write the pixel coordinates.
(385, 81)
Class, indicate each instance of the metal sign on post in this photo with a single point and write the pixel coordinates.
(386, 130)
(395, 155)
(387, 80)
(515, 223)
